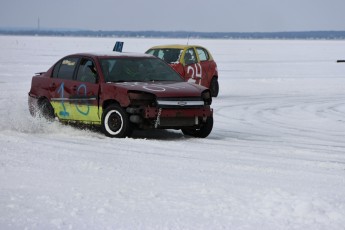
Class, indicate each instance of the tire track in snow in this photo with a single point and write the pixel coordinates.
(298, 120)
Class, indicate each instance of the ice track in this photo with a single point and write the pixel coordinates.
(304, 121)
(275, 159)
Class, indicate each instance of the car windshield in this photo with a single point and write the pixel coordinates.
(169, 55)
(126, 69)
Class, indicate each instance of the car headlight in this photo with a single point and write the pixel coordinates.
(141, 98)
(206, 96)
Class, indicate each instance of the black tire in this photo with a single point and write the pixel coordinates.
(202, 132)
(214, 87)
(115, 122)
(46, 110)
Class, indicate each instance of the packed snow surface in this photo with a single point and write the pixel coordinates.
(274, 160)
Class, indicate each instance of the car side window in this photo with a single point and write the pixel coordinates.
(172, 55)
(65, 68)
(160, 54)
(156, 52)
(152, 52)
(190, 57)
(87, 71)
(203, 54)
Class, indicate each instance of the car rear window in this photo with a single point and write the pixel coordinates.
(65, 68)
(203, 54)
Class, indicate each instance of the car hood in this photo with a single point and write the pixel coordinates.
(164, 89)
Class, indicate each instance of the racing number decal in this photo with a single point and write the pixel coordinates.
(82, 86)
(155, 88)
(151, 87)
(81, 91)
(60, 91)
(196, 73)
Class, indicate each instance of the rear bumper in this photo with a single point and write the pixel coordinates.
(33, 104)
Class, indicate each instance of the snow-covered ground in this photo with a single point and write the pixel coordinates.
(275, 158)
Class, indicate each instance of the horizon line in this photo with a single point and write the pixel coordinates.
(155, 31)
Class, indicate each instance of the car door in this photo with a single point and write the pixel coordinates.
(192, 69)
(85, 93)
(206, 66)
(74, 93)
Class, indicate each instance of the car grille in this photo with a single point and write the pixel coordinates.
(180, 102)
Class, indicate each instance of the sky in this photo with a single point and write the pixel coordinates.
(177, 15)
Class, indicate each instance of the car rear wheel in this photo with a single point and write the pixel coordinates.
(202, 132)
(115, 122)
(214, 87)
(46, 110)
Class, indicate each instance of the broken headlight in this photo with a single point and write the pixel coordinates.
(141, 98)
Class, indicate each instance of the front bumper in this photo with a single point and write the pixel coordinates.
(154, 117)
(171, 112)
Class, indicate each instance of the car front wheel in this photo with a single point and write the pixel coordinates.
(202, 132)
(115, 122)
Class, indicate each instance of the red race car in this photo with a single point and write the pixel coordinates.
(121, 92)
(194, 63)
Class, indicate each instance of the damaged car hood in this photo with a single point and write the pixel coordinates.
(164, 89)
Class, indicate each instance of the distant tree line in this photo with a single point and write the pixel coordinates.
(336, 35)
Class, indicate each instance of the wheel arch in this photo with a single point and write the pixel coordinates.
(109, 102)
(41, 99)
(215, 76)
(45, 108)
(214, 86)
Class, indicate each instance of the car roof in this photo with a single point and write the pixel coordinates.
(111, 54)
(174, 46)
